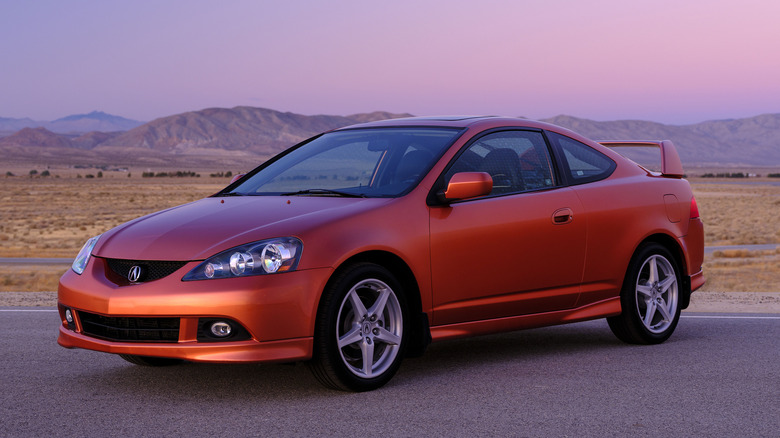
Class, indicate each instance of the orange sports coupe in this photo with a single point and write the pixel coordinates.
(362, 245)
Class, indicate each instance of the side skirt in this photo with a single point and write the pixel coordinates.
(601, 309)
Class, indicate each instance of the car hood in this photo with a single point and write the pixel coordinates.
(200, 229)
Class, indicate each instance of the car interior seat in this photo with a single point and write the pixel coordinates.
(503, 165)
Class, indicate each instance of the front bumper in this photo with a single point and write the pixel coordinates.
(278, 311)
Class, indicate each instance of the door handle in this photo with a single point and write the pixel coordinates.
(562, 216)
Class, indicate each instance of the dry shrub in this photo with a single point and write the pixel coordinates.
(734, 253)
(21, 278)
(66, 212)
(737, 214)
(71, 210)
(759, 272)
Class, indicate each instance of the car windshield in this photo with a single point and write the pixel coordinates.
(369, 162)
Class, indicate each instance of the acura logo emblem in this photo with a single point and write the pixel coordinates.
(135, 274)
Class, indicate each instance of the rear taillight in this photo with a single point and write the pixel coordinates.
(694, 209)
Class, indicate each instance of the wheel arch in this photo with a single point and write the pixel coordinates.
(420, 334)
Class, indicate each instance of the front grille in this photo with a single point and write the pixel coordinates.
(130, 329)
(150, 269)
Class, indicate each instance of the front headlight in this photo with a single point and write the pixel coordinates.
(81, 260)
(256, 258)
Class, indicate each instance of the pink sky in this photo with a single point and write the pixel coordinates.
(674, 62)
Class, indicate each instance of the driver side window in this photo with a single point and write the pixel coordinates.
(517, 161)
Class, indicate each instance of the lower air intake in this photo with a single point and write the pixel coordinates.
(130, 329)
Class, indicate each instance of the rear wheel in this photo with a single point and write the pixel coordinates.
(650, 298)
(360, 337)
(150, 361)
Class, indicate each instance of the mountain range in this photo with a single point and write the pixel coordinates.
(79, 123)
(259, 133)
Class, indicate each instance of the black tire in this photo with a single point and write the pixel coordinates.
(361, 329)
(650, 297)
(150, 361)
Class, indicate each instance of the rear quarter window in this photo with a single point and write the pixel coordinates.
(580, 163)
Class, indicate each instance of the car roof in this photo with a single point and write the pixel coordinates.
(456, 121)
(483, 123)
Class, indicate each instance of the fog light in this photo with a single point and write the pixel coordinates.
(68, 316)
(221, 329)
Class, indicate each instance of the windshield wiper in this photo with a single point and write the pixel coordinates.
(230, 194)
(325, 192)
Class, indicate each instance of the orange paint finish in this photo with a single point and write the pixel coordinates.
(271, 308)
(467, 185)
(520, 272)
(244, 351)
(693, 249)
(622, 213)
(601, 309)
(674, 210)
(531, 246)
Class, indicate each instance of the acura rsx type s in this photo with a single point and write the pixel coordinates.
(362, 245)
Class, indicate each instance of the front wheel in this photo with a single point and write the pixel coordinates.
(650, 298)
(360, 337)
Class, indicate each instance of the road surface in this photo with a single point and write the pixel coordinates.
(716, 376)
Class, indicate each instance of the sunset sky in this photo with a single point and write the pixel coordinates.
(676, 62)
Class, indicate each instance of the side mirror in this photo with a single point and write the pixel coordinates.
(467, 185)
(236, 177)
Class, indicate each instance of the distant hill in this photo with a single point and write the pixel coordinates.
(75, 124)
(36, 137)
(92, 139)
(751, 141)
(94, 121)
(250, 132)
(12, 125)
(258, 130)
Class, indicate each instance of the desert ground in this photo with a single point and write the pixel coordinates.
(52, 216)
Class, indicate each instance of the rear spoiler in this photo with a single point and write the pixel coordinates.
(671, 165)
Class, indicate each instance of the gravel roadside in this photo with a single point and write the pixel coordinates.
(718, 302)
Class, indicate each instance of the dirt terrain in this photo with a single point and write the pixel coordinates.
(52, 216)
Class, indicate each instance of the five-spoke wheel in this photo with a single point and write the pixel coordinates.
(650, 297)
(370, 327)
(657, 294)
(360, 338)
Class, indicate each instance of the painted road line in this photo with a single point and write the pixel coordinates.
(728, 317)
(35, 261)
(28, 310)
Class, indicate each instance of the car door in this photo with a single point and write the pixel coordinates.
(519, 250)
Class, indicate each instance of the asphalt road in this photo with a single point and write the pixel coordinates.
(717, 376)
